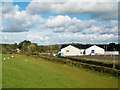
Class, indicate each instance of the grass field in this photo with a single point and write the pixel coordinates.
(100, 58)
(22, 71)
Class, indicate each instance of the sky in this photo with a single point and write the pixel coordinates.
(58, 22)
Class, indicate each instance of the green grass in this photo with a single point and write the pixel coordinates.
(28, 72)
(96, 60)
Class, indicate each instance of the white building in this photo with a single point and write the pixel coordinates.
(17, 50)
(71, 51)
(85, 50)
(112, 53)
(94, 50)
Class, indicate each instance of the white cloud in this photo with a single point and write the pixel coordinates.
(88, 38)
(75, 29)
(0, 16)
(17, 21)
(57, 21)
(99, 10)
(74, 1)
(66, 24)
(56, 38)
(8, 1)
(9, 8)
(33, 37)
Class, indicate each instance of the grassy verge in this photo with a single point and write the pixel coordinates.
(22, 71)
(96, 60)
(103, 63)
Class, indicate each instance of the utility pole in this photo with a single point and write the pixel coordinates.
(114, 59)
(105, 51)
(106, 47)
(59, 47)
(51, 50)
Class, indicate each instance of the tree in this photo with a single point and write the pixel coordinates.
(14, 46)
(24, 45)
(32, 48)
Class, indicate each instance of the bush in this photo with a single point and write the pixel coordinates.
(110, 65)
(73, 62)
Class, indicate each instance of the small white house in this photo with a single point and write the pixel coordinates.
(94, 50)
(17, 50)
(71, 51)
(84, 50)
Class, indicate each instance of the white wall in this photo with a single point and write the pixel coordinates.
(71, 51)
(98, 50)
(112, 53)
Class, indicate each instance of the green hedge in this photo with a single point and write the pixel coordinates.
(110, 65)
(102, 69)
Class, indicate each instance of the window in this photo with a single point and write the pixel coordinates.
(92, 51)
(67, 50)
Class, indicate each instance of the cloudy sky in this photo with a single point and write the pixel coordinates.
(59, 22)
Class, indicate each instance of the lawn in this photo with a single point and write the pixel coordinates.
(94, 58)
(22, 71)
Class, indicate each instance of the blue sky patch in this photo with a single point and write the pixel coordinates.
(22, 5)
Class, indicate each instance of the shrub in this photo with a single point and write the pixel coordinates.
(110, 65)
(80, 64)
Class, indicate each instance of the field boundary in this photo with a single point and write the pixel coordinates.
(97, 62)
(68, 61)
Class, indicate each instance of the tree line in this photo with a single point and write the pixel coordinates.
(28, 47)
